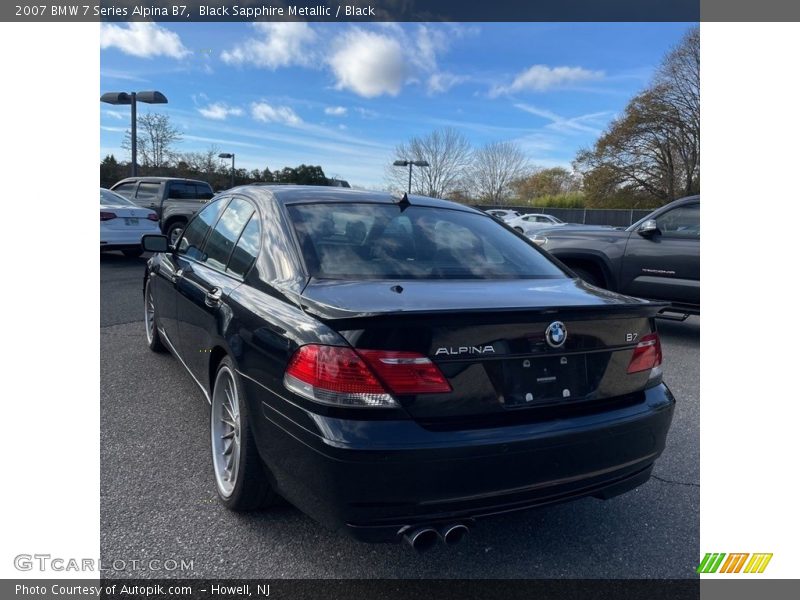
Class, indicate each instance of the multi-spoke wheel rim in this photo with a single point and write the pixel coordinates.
(225, 431)
(149, 314)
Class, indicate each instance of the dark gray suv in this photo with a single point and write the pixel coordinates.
(174, 200)
(657, 257)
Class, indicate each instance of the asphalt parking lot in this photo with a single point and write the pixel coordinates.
(158, 499)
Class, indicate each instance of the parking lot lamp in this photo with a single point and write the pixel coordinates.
(132, 98)
(232, 156)
(410, 164)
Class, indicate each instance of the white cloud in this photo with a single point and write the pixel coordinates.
(429, 43)
(369, 64)
(145, 40)
(219, 111)
(114, 114)
(540, 78)
(261, 111)
(336, 111)
(592, 123)
(438, 83)
(366, 113)
(278, 45)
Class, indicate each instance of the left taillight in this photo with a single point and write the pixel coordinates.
(647, 355)
(406, 372)
(107, 216)
(152, 217)
(341, 376)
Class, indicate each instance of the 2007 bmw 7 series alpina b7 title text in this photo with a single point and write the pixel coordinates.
(398, 367)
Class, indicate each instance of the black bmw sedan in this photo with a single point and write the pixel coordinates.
(397, 367)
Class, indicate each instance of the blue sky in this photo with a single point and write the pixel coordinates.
(343, 95)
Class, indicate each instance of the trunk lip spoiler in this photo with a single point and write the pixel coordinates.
(335, 313)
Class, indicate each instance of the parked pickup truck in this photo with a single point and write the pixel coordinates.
(173, 199)
(657, 257)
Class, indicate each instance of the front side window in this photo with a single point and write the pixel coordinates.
(226, 232)
(147, 192)
(180, 190)
(191, 242)
(680, 222)
(381, 241)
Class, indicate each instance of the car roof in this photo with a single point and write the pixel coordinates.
(299, 194)
(160, 179)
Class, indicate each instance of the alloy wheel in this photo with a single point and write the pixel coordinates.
(225, 431)
(149, 313)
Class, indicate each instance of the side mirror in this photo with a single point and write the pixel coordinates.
(648, 228)
(155, 243)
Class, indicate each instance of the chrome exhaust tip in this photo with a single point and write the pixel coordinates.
(453, 534)
(421, 539)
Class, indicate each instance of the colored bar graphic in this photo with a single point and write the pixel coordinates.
(733, 561)
(717, 563)
(713, 560)
(740, 564)
(758, 563)
(710, 562)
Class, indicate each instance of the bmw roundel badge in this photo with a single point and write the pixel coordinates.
(555, 334)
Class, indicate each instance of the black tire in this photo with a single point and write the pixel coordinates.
(519, 229)
(252, 489)
(175, 230)
(133, 252)
(588, 276)
(151, 331)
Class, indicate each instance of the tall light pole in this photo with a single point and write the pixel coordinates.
(132, 98)
(411, 164)
(232, 156)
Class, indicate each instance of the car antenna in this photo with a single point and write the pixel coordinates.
(402, 201)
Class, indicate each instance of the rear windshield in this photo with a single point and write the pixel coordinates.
(381, 241)
(109, 198)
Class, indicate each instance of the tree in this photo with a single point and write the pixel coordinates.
(310, 175)
(554, 181)
(111, 171)
(494, 167)
(448, 154)
(652, 151)
(155, 140)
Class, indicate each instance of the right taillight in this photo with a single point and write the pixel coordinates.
(646, 355)
(341, 376)
(107, 216)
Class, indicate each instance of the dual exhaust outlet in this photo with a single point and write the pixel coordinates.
(424, 538)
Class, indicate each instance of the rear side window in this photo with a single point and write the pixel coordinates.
(226, 232)
(246, 250)
(191, 243)
(126, 189)
(381, 241)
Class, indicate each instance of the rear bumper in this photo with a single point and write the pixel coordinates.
(372, 478)
(120, 238)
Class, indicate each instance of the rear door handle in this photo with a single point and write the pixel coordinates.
(213, 296)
